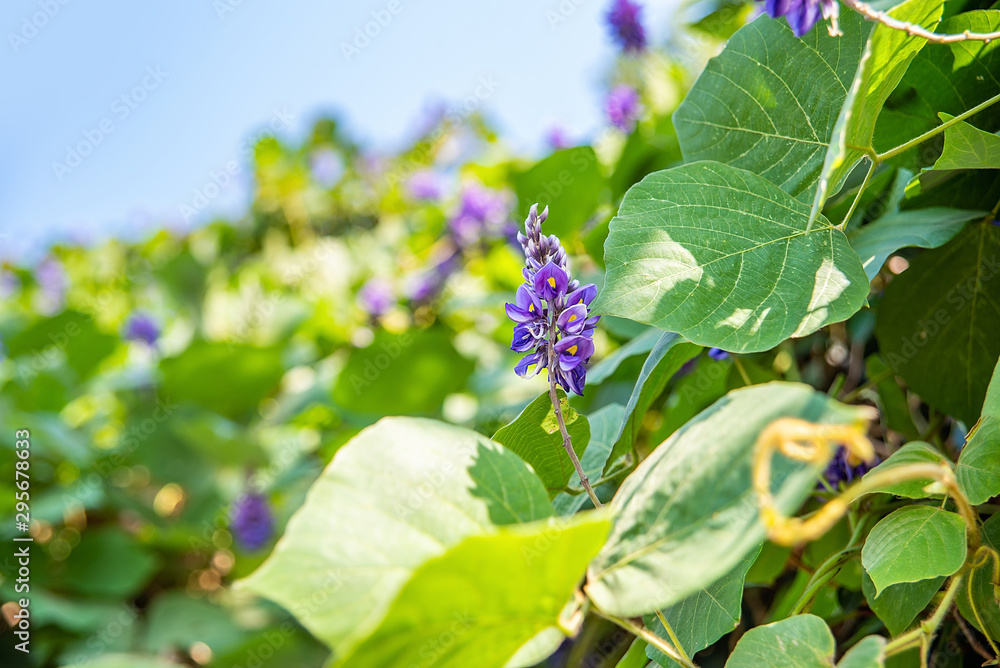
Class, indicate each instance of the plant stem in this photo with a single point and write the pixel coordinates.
(650, 637)
(857, 198)
(881, 157)
(743, 372)
(873, 14)
(927, 629)
(557, 406)
(673, 636)
(829, 569)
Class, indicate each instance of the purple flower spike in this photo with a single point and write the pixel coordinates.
(550, 320)
(482, 212)
(802, 15)
(623, 107)
(141, 327)
(626, 26)
(253, 523)
(844, 469)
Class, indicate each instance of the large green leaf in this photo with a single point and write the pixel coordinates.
(914, 452)
(968, 147)
(950, 78)
(912, 544)
(704, 617)
(985, 592)
(938, 322)
(402, 374)
(897, 606)
(228, 378)
(607, 366)
(769, 102)
(73, 333)
(479, 602)
(803, 641)
(110, 562)
(569, 182)
(869, 653)
(666, 358)
(722, 257)
(398, 494)
(978, 469)
(535, 436)
(688, 514)
(887, 55)
(923, 228)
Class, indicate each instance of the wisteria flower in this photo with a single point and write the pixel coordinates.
(552, 311)
(802, 15)
(844, 468)
(253, 523)
(623, 107)
(141, 327)
(481, 213)
(626, 25)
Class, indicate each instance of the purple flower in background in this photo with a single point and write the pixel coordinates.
(481, 213)
(429, 284)
(802, 15)
(626, 25)
(326, 166)
(557, 138)
(141, 327)
(623, 107)
(844, 469)
(552, 311)
(718, 354)
(424, 186)
(10, 284)
(253, 523)
(376, 296)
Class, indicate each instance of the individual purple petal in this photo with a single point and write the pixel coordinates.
(551, 282)
(573, 351)
(573, 319)
(582, 295)
(529, 360)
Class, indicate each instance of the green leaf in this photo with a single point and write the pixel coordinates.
(938, 321)
(398, 494)
(950, 78)
(968, 147)
(174, 619)
(643, 343)
(230, 379)
(892, 401)
(73, 333)
(635, 657)
(124, 661)
(535, 437)
(701, 619)
(923, 228)
(897, 606)
(722, 257)
(887, 55)
(769, 102)
(803, 641)
(666, 358)
(869, 653)
(402, 374)
(978, 469)
(109, 562)
(915, 452)
(479, 602)
(914, 543)
(688, 514)
(569, 182)
(984, 592)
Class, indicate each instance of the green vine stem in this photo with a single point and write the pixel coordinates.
(873, 14)
(857, 198)
(557, 406)
(673, 636)
(981, 558)
(829, 569)
(881, 157)
(650, 637)
(921, 636)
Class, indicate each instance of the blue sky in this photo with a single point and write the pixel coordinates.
(173, 90)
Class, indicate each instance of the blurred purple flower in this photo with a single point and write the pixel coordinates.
(253, 523)
(718, 354)
(376, 296)
(558, 139)
(623, 107)
(842, 470)
(481, 213)
(429, 284)
(10, 284)
(802, 15)
(626, 25)
(141, 327)
(327, 167)
(425, 186)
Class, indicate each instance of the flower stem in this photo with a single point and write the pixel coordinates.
(873, 14)
(557, 406)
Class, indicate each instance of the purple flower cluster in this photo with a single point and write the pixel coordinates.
(141, 327)
(626, 26)
(552, 311)
(623, 107)
(424, 186)
(253, 523)
(376, 296)
(802, 15)
(481, 213)
(844, 469)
